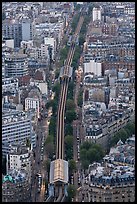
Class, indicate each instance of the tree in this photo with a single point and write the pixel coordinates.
(72, 166)
(81, 39)
(68, 141)
(56, 89)
(91, 154)
(57, 72)
(47, 165)
(68, 129)
(83, 154)
(69, 146)
(130, 128)
(63, 53)
(70, 105)
(70, 116)
(49, 139)
(86, 145)
(50, 150)
(123, 134)
(71, 192)
(85, 164)
(75, 22)
(49, 146)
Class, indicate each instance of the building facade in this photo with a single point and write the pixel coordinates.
(16, 65)
(16, 187)
(96, 14)
(20, 158)
(11, 29)
(16, 129)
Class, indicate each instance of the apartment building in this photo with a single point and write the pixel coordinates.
(96, 14)
(16, 129)
(34, 101)
(20, 158)
(27, 29)
(11, 29)
(16, 65)
(16, 187)
(113, 179)
(10, 84)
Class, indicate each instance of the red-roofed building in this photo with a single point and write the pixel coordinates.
(24, 80)
(38, 75)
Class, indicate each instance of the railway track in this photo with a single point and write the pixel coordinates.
(61, 107)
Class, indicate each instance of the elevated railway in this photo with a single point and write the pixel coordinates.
(59, 167)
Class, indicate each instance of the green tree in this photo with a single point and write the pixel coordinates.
(130, 128)
(49, 146)
(91, 154)
(50, 150)
(85, 164)
(68, 129)
(72, 166)
(70, 116)
(75, 22)
(57, 72)
(86, 145)
(49, 139)
(47, 165)
(56, 88)
(68, 141)
(71, 192)
(123, 134)
(83, 154)
(70, 105)
(64, 53)
(52, 125)
(81, 39)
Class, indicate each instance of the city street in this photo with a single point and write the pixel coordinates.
(38, 167)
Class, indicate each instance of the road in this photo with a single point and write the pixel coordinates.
(38, 163)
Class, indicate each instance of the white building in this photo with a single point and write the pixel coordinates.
(41, 85)
(20, 158)
(93, 67)
(42, 52)
(16, 65)
(16, 128)
(96, 14)
(26, 44)
(27, 29)
(9, 43)
(51, 42)
(10, 84)
(33, 101)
